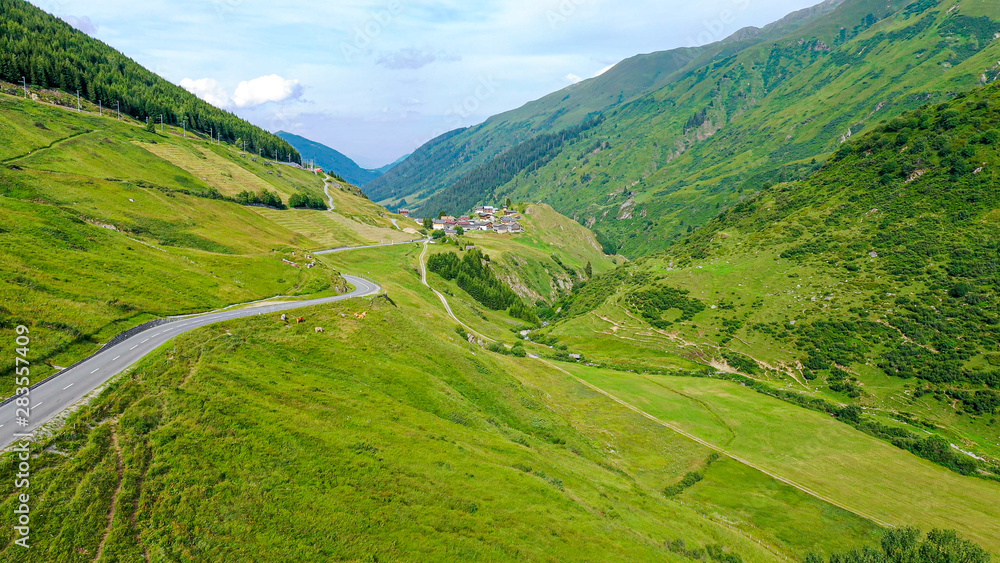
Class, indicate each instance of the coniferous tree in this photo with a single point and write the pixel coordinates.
(49, 53)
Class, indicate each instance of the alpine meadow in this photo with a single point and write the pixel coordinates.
(723, 302)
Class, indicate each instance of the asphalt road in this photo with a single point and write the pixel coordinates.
(345, 248)
(70, 386)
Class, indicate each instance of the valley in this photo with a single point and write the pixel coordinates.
(749, 315)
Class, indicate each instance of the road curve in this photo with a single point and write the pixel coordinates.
(55, 394)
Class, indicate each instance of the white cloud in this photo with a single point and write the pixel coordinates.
(266, 89)
(573, 78)
(248, 94)
(209, 90)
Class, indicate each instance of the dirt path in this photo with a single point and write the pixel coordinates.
(444, 301)
(51, 145)
(118, 489)
(326, 188)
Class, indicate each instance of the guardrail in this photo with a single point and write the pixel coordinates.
(117, 339)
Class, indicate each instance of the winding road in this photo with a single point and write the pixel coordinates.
(55, 394)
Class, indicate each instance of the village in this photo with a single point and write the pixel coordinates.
(501, 220)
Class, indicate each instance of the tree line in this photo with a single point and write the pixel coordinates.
(473, 275)
(49, 53)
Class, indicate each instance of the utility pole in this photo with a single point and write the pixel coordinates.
(118, 105)
(78, 106)
(25, 83)
(211, 134)
(185, 124)
(161, 123)
(100, 107)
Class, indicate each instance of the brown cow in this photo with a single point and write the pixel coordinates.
(301, 320)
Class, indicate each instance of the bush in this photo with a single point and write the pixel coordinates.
(304, 201)
(960, 290)
(263, 198)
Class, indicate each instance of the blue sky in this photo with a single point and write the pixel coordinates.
(376, 79)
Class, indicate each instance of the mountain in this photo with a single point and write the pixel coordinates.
(391, 165)
(678, 146)
(454, 154)
(50, 53)
(330, 160)
(872, 284)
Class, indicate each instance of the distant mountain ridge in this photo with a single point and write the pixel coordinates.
(330, 159)
(690, 132)
(461, 150)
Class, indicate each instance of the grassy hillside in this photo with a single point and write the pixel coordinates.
(871, 283)
(403, 442)
(732, 121)
(101, 234)
(544, 263)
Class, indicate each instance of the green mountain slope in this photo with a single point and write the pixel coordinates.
(447, 158)
(741, 117)
(874, 282)
(330, 160)
(49, 53)
(402, 441)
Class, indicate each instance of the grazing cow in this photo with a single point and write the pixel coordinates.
(319, 329)
(301, 320)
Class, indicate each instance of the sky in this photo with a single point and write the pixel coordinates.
(375, 79)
